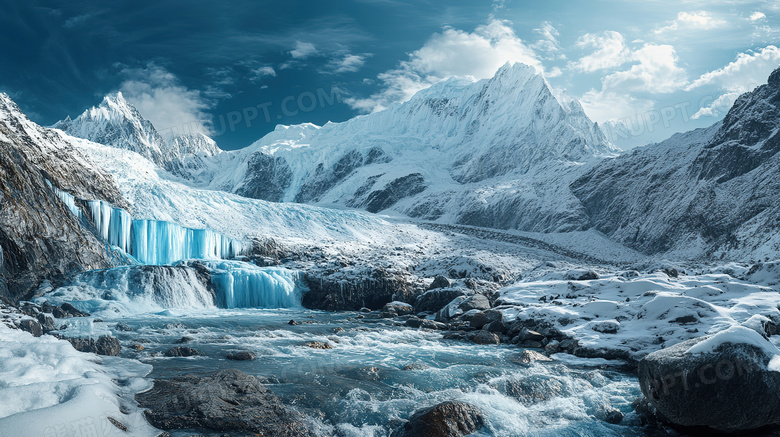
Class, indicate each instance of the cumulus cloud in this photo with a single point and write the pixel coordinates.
(548, 39)
(347, 63)
(163, 100)
(756, 16)
(656, 72)
(259, 73)
(303, 50)
(696, 20)
(745, 73)
(610, 51)
(748, 71)
(452, 52)
(602, 105)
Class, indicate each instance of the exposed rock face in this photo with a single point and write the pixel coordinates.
(226, 401)
(704, 191)
(104, 345)
(729, 389)
(376, 288)
(267, 178)
(40, 238)
(448, 419)
(438, 298)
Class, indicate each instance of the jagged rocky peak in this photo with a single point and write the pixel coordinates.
(117, 123)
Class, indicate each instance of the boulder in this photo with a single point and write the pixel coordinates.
(485, 317)
(226, 401)
(581, 275)
(395, 309)
(434, 300)
(485, 337)
(475, 302)
(240, 356)
(319, 345)
(182, 351)
(31, 326)
(439, 282)
(728, 382)
(528, 357)
(122, 326)
(448, 419)
(47, 322)
(104, 345)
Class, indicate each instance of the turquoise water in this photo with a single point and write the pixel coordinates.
(359, 387)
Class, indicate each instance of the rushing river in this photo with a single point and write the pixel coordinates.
(360, 386)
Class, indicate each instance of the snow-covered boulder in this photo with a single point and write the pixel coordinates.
(728, 381)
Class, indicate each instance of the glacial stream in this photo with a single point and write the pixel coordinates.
(360, 386)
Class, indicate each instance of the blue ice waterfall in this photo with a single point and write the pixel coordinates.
(243, 285)
(153, 242)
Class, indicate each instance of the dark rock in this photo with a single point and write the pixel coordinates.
(182, 351)
(240, 356)
(292, 322)
(394, 191)
(395, 309)
(581, 275)
(439, 282)
(476, 302)
(47, 322)
(104, 345)
(729, 390)
(318, 345)
(455, 336)
(552, 347)
(31, 326)
(448, 419)
(97, 321)
(432, 324)
(122, 326)
(371, 288)
(413, 322)
(610, 415)
(226, 401)
(266, 178)
(485, 337)
(484, 317)
(184, 339)
(434, 300)
(527, 357)
(534, 388)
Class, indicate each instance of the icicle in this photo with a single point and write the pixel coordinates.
(244, 285)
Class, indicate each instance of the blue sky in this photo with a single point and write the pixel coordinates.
(236, 69)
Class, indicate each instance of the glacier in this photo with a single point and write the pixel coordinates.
(243, 285)
(154, 242)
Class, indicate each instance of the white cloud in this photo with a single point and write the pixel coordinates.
(700, 20)
(719, 106)
(452, 52)
(163, 100)
(610, 51)
(259, 73)
(548, 39)
(755, 16)
(303, 50)
(748, 71)
(601, 106)
(348, 63)
(656, 73)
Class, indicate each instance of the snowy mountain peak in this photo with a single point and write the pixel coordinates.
(117, 123)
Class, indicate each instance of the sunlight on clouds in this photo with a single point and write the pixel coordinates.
(452, 52)
(161, 99)
(303, 50)
(611, 51)
(755, 16)
(694, 20)
(656, 73)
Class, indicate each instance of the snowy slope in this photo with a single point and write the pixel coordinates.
(711, 191)
(493, 153)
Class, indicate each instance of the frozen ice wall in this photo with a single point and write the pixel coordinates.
(158, 242)
(243, 285)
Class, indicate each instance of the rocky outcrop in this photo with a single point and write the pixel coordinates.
(226, 401)
(372, 288)
(104, 345)
(728, 382)
(267, 178)
(40, 238)
(448, 419)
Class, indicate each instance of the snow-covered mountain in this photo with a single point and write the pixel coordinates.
(494, 153)
(708, 191)
(117, 123)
